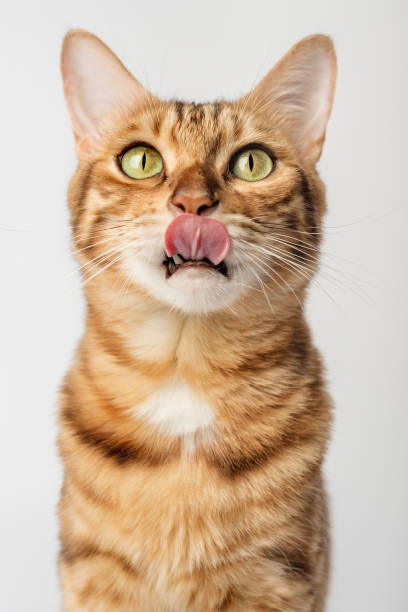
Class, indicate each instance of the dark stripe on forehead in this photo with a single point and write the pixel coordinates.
(132, 127)
(215, 144)
(217, 108)
(237, 125)
(197, 114)
(156, 125)
(179, 108)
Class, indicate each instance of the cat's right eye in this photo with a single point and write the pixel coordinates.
(141, 162)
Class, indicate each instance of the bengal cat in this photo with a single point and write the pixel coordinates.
(194, 418)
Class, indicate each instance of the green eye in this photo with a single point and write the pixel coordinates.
(252, 165)
(141, 162)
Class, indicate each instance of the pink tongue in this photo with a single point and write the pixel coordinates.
(194, 237)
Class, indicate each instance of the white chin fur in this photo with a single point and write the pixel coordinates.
(191, 280)
(192, 290)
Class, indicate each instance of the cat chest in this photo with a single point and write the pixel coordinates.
(176, 409)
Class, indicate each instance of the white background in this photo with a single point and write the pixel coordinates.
(203, 50)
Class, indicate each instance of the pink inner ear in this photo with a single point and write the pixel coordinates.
(96, 85)
(195, 238)
(301, 87)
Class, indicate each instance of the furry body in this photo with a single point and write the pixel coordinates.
(193, 438)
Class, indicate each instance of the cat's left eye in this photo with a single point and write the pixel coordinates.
(141, 162)
(251, 165)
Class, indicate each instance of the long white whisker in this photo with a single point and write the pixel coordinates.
(353, 284)
(349, 276)
(264, 291)
(306, 246)
(300, 271)
(90, 246)
(277, 274)
(122, 252)
(98, 259)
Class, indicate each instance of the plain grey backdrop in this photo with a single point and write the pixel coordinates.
(357, 308)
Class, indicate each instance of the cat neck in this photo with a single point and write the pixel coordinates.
(180, 372)
(140, 330)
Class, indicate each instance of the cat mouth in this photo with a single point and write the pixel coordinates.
(177, 262)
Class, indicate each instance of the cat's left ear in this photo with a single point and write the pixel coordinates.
(300, 88)
(96, 85)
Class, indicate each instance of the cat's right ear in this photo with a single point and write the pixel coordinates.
(96, 85)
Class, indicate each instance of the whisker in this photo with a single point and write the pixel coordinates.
(304, 271)
(101, 258)
(319, 257)
(89, 246)
(16, 229)
(122, 251)
(98, 259)
(307, 246)
(262, 285)
(314, 258)
(353, 283)
(119, 223)
(77, 239)
(278, 275)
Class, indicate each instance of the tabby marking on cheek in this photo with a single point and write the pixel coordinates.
(85, 180)
(310, 212)
(176, 409)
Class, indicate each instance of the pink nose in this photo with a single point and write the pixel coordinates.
(192, 204)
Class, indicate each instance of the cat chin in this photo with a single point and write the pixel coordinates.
(192, 280)
(192, 290)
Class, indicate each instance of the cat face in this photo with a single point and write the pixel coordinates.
(198, 205)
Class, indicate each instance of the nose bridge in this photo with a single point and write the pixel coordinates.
(192, 182)
(192, 192)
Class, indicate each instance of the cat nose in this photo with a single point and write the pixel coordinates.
(195, 204)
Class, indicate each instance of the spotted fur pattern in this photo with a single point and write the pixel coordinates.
(232, 515)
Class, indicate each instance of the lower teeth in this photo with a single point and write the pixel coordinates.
(174, 262)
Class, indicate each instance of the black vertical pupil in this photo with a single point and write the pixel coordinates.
(251, 162)
(144, 161)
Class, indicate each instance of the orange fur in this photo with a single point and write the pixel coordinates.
(231, 516)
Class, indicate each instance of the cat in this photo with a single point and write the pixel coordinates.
(194, 418)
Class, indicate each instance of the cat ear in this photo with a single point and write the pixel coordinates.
(301, 88)
(96, 84)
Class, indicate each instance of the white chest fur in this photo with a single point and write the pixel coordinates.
(176, 409)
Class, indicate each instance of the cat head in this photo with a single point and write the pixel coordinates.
(198, 206)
